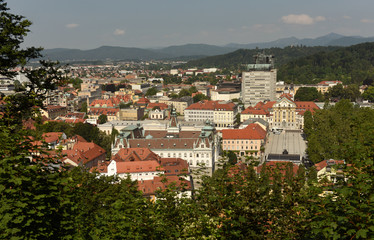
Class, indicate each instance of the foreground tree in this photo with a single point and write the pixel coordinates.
(31, 185)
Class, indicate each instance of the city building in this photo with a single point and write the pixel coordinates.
(221, 113)
(259, 82)
(196, 147)
(244, 142)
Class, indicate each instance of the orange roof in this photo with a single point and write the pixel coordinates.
(149, 187)
(286, 95)
(105, 111)
(88, 150)
(302, 107)
(174, 166)
(211, 105)
(135, 154)
(138, 166)
(162, 106)
(254, 111)
(252, 131)
(143, 100)
(52, 136)
(324, 163)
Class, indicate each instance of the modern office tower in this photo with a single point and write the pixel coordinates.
(258, 82)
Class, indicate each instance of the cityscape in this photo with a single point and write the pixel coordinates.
(192, 141)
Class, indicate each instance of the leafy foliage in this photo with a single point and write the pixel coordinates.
(308, 94)
(350, 65)
(339, 132)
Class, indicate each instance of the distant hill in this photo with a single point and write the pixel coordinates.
(235, 60)
(103, 53)
(192, 51)
(331, 39)
(195, 50)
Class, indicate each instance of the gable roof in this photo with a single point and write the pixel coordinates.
(150, 187)
(135, 154)
(252, 131)
(321, 165)
(138, 166)
(52, 136)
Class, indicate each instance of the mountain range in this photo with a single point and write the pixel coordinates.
(192, 51)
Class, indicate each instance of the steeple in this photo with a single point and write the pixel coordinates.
(173, 124)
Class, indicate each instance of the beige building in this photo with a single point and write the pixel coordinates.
(223, 114)
(179, 104)
(131, 114)
(244, 142)
(52, 112)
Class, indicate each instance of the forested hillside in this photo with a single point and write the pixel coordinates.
(235, 60)
(306, 65)
(350, 64)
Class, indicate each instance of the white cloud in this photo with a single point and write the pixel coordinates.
(71, 25)
(347, 17)
(366, 20)
(119, 32)
(302, 19)
(320, 19)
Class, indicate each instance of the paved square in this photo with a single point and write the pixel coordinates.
(292, 141)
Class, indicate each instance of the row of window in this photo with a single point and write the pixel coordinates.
(239, 148)
(174, 155)
(237, 141)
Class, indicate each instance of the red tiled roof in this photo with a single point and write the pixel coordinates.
(52, 136)
(174, 166)
(324, 163)
(211, 105)
(286, 95)
(139, 166)
(149, 187)
(143, 100)
(162, 106)
(135, 154)
(88, 151)
(302, 107)
(252, 131)
(105, 111)
(254, 111)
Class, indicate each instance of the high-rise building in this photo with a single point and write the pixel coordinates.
(258, 82)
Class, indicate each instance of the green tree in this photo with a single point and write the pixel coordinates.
(200, 97)
(192, 89)
(151, 91)
(369, 94)
(233, 159)
(76, 82)
(183, 93)
(33, 203)
(102, 119)
(83, 107)
(308, 94)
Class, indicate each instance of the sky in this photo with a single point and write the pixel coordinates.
(88, 24)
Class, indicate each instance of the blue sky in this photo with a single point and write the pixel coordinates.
(87, 24)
